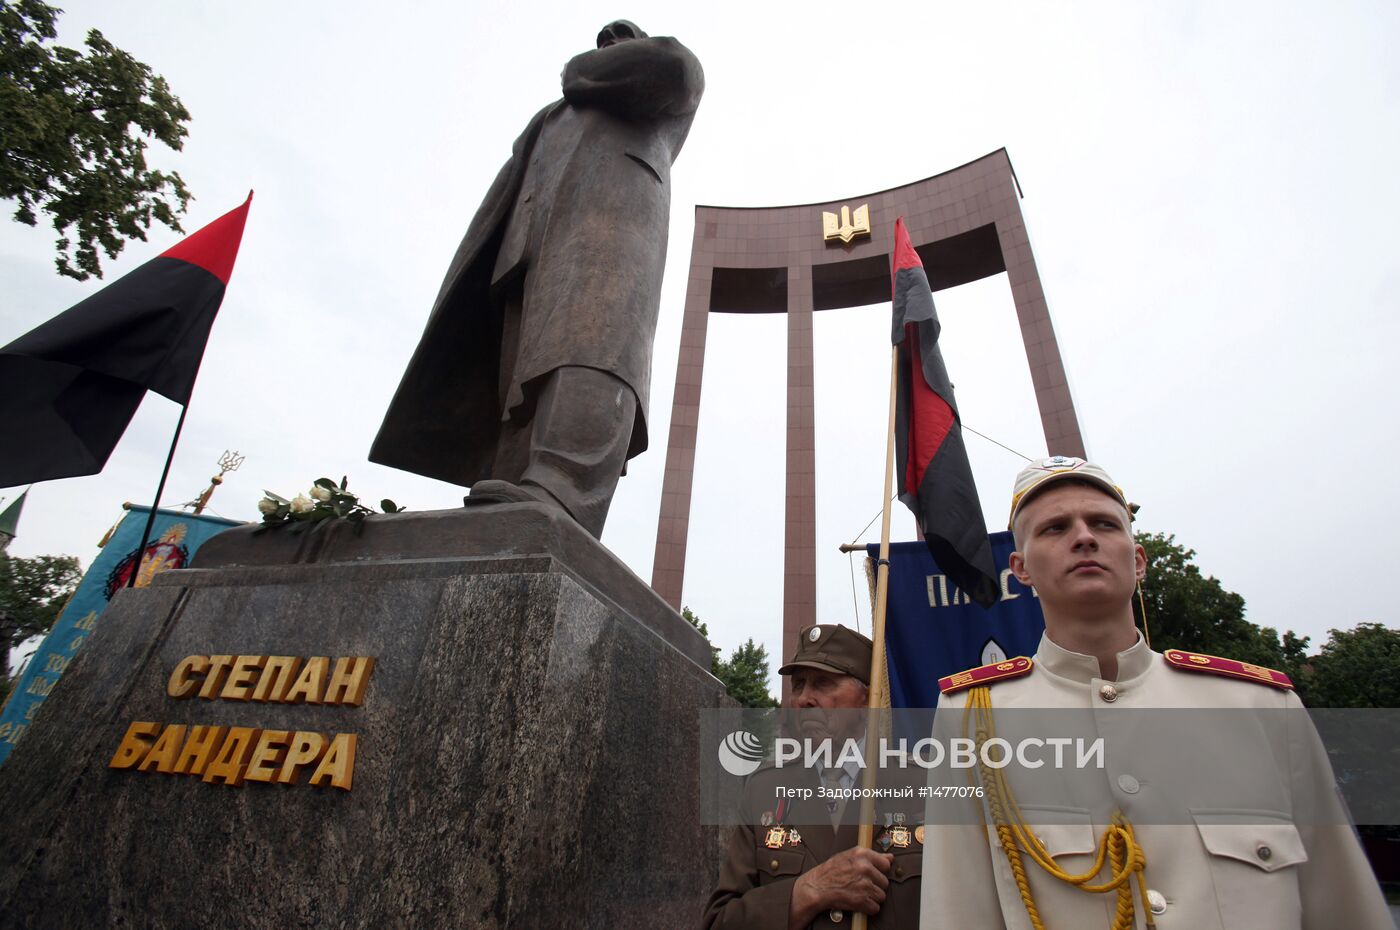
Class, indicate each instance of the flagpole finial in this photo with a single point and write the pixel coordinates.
(228, 462)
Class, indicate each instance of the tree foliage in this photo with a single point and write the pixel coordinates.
(1188, 610)
(745, 674)
(73, 131)
(32, 593)
(1191, 611)
(1359, 667)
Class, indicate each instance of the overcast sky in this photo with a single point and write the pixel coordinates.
(1210, 190)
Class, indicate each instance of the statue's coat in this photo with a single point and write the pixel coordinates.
(578, 219)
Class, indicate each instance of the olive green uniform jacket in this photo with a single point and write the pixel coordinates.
(756, 881)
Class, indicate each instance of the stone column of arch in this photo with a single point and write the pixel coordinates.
(965, 223)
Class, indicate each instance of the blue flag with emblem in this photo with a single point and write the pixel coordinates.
(174, 539)
(933, 629)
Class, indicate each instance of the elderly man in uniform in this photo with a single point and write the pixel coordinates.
(795, 865)
(1242, 853)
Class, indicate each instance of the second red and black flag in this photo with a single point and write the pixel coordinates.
(935, 479)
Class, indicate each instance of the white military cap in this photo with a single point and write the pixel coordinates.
(1037, 476)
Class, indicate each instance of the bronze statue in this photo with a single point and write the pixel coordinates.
(530, 382)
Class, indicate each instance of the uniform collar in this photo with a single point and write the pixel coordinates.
(831, 777)
(1132, 662)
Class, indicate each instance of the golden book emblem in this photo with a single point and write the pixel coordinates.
(848, 225)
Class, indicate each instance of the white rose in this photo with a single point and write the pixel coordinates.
(302, 504)
(267, 506)
(320, 493)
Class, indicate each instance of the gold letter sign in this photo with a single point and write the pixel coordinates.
(235, 755)
(847, 228)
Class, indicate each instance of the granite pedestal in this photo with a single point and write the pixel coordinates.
(526, 757)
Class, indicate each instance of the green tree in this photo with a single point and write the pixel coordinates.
(1359, 667)
(1191, 611)
(745, 674)
(32, 593)
(73, 131)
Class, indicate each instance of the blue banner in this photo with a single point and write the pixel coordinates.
(174, 539)
(932, 629)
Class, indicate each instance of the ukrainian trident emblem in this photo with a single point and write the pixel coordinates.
(848, 226)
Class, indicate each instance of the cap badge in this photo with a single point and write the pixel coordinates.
(816, 634)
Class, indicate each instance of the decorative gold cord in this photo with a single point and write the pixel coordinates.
(1118, 844)
(1146, 636)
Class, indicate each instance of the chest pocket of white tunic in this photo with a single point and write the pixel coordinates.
(1063, 831)
(1252, 865)
(1266, 846)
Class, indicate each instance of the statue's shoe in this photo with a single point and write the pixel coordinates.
(494, 491)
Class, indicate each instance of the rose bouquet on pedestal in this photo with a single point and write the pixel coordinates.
(325, 501)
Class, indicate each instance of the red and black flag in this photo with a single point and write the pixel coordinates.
(935, 479)
(69, 388)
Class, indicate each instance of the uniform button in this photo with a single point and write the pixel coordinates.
(1108, 693)
(899, 871)
(1129, 784)
(773, 865)
(1264, 853)
(1157, 901)
(837, 916)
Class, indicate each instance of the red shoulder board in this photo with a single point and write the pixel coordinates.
(976, 677)
(1196, 662)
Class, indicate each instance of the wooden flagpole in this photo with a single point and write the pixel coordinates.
(879, 688)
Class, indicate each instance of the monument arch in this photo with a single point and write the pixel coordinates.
(966, 224)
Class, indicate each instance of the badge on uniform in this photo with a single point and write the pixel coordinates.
(776, 837)
(919, 834)
(793, 836)
(899, 836)
(884, 840)
(766, 819)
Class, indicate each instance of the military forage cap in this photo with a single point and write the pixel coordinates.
(1037, 476)
(832, 648)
